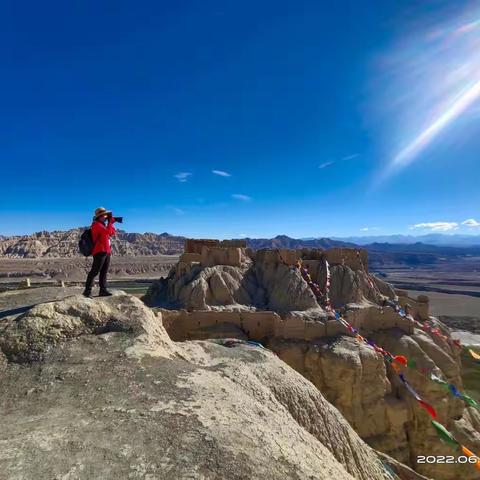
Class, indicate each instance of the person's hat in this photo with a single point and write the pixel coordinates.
(101, 211)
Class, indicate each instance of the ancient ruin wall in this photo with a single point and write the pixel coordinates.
(193, 245)
(417, 307)
(356, 259)
(266, 325)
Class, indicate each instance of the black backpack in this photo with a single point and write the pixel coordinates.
(85, 244)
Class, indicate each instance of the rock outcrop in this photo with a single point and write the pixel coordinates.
(369, 394)
(29, 337)
(96, 389)
(194, 287)
(266, 279)
(296, 324)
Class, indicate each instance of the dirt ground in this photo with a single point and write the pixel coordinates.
(450, 304)
(74, 270)
(461, 276)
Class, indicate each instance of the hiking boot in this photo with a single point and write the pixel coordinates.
(87, 293)
(105, 293)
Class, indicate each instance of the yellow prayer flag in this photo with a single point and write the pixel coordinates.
(476, 356)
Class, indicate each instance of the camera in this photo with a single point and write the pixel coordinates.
(117, 219)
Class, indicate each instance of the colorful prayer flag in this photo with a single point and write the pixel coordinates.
(409, 387)
(453, 389)
(476, 356)
(396, 367)
(400, 359)
(431, 411)
(468, 453)
(472, 402)
(411, 363)
(445, 435)
(438, 380)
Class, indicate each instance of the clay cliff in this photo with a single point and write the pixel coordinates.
(229, 291)
(95, 388)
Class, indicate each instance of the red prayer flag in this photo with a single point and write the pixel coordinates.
(401, 359)
(427, 407)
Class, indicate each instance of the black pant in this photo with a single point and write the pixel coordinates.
(101, 262)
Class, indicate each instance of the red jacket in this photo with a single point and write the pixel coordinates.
(101, 236)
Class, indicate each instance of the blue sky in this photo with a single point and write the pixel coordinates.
(228, 119)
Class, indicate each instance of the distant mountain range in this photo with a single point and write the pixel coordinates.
(451, 240)
(283, 241)
(65, 244)
(380, 254)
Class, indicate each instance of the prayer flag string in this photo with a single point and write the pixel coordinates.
(398, 360)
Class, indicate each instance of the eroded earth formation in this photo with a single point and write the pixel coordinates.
(109, 388)
(225, 290)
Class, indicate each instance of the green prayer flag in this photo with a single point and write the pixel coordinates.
(411, 363)
(444, 434)
(470, 400)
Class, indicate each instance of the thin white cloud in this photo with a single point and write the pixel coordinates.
(351, 157)
(331, 162)
(471, 223)
(369, 229)
(365, 229)
(436, 226)
(183, 176)
(326, 164)
(240, 196)
(221, 173)
(176, 210)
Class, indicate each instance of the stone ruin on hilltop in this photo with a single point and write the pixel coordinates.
(324, 314)
(221, 288)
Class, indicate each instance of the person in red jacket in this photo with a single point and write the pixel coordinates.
(102, 229)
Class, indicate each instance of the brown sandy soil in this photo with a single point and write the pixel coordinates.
(16, 302)
(460, 276)
(451, 304)
(453, 290)
(43, 270)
